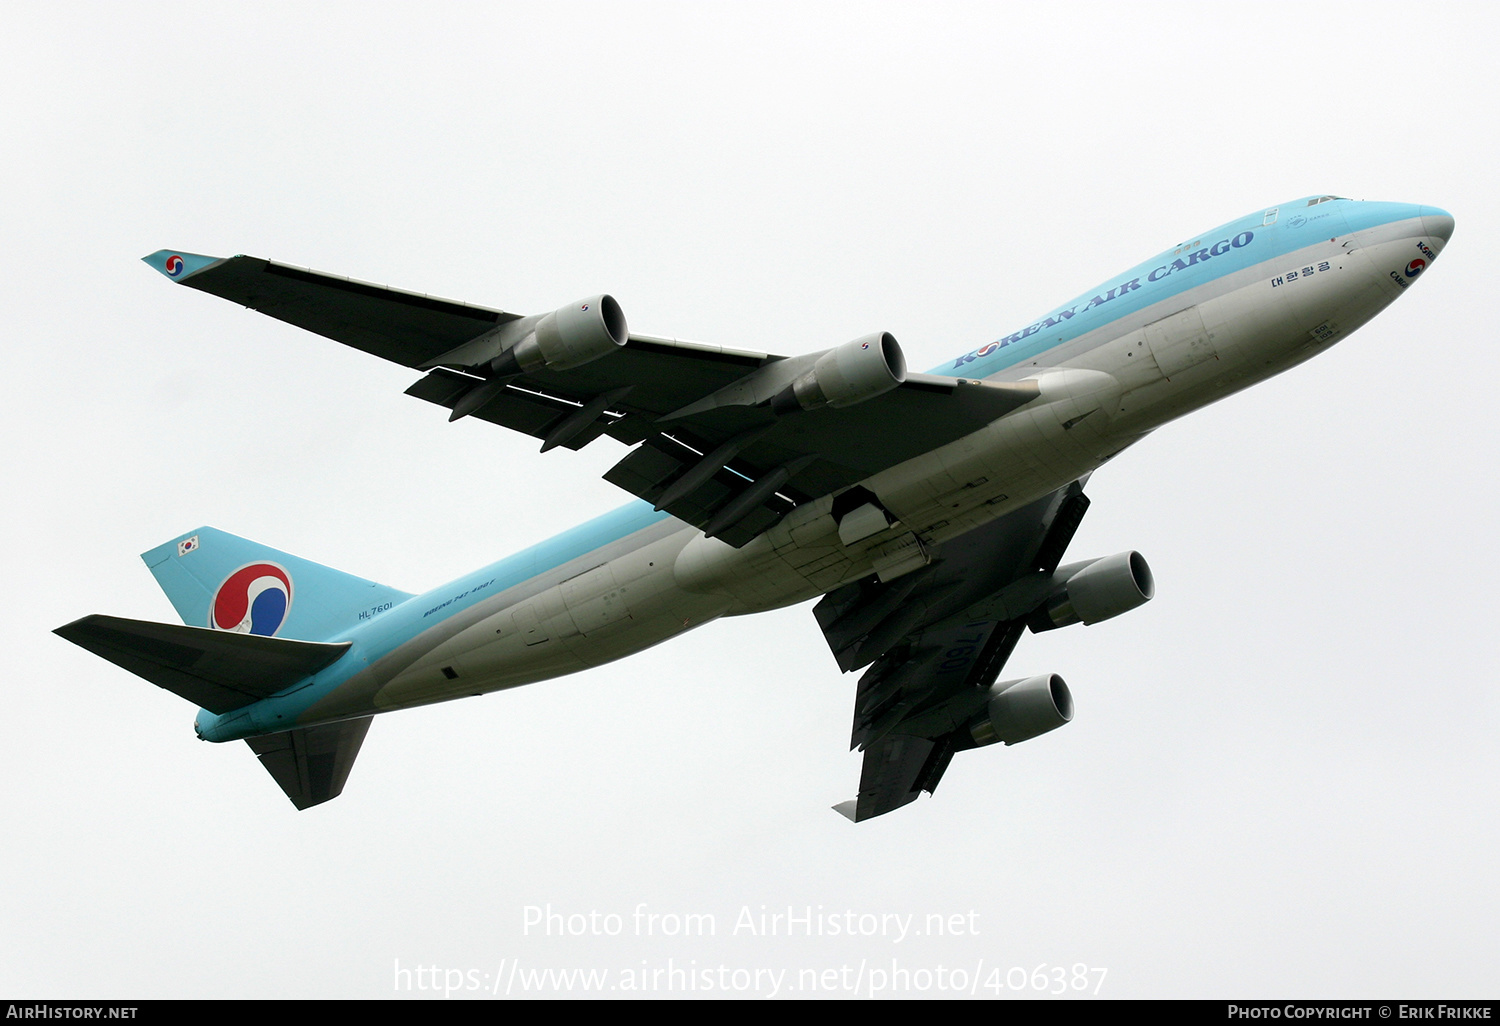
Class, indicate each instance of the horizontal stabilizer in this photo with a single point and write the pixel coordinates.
(217, 670)
(312, 763)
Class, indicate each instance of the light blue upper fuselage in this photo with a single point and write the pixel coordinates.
(1254, 239)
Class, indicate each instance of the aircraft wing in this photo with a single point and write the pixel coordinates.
(934, 642)
(403, 327)
(709, 447)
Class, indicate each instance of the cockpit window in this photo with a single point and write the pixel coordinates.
(1322, 199)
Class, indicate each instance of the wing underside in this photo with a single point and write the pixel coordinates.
(728, 464)
(934, 641)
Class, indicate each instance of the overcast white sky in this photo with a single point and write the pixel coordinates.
(1282, 778)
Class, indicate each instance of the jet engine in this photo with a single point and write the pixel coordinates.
(1019, 710)
(846, 375)
(1095, 590)
(566, 338)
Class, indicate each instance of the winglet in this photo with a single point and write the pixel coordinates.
(178, 265)
(846, 809)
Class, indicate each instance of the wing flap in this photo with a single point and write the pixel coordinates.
(823, 450)
(734, 470)
(215, 670)
(864, 620)
(515, 406)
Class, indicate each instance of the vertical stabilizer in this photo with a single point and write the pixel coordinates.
(215, 579)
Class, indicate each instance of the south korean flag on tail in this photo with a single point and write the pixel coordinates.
(187, 545)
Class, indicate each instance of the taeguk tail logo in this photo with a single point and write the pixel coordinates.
(1415, 267)
(174, 265)
(253, 600)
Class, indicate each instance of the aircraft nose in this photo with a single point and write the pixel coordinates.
(1438, 224)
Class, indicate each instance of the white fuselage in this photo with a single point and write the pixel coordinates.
(1100, 392)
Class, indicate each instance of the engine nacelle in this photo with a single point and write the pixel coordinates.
(1096, 590)
(1019, 710)
(570, 337)
(846, 375)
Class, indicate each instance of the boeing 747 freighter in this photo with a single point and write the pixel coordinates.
(930, 511)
